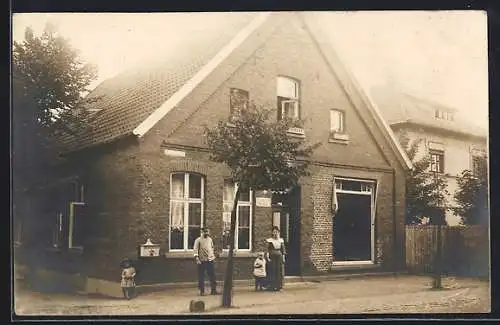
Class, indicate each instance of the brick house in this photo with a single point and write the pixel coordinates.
(453, 143)
(141, 169)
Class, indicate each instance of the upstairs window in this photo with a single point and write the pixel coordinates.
(437, 161)
(477, 163)
(238, 100)
(186, 209)
(243, 217)
(444, 115)
(337, 120)
(288, 98)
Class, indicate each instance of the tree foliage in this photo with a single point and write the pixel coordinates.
(261, 155)
(53, 77)
(471, 195)
(425, 191)
(260, 152)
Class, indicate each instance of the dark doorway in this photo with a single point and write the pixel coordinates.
(286, 215)
(352, 228)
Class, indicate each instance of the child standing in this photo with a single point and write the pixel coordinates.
(128, 279)
(259, 271)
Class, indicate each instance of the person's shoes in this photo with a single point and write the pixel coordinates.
(202, 293)
(215, 293)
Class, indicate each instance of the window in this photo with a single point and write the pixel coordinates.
(186, 209)
(477, 164)
(64, 208)
(18, 231)
(337, 121)
(288, 98)
(57, 233)
(243, 217)
(76, 225)
(437, 161)
(444, 115)
(238, 100)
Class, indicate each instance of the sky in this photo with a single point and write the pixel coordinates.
(438, 55)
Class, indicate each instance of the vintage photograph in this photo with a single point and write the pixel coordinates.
(250, 163)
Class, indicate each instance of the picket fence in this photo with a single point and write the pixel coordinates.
(465, 249)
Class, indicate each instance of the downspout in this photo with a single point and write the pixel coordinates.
(394, 228)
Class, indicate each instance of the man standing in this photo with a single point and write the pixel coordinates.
(205, 256)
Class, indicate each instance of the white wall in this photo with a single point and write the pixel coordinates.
(457, 157)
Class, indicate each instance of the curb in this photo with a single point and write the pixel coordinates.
(147, 288)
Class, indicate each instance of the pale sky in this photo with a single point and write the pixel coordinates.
(439, 55)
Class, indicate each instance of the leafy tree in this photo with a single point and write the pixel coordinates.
(53, 78)
(261, 156)
(425, 191)
(471, 195)
(49, 84)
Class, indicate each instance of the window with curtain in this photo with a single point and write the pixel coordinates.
(243, 217)
(186, 209)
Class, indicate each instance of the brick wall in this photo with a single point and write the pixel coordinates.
(319, 193)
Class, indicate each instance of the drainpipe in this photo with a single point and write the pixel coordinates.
(394, 228)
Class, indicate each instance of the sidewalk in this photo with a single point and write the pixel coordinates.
(387, 294)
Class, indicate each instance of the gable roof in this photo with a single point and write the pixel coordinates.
(134, 101)
(402, 108)
(132, 97)
(353, 88)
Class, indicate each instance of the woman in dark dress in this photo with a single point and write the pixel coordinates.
(276, 246)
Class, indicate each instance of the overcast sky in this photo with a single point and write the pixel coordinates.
(439, 55)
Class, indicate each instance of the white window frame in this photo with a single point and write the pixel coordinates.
(71, 222)
(250, 223)
(435, 152)
(341, 116)
(186, 200)
(293, 99)
(18, 232)
(369, 188)
(295, 108)
(57, 235)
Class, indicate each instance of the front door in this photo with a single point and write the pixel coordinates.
(286, 215)
(352, 228)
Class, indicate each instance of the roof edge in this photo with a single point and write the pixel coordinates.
(400, 153)
(192, 83)
(412, 122)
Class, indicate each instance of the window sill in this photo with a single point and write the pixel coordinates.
(225, 254)
(296, 132)
(76, 250)
(185, 254)
(341, 138)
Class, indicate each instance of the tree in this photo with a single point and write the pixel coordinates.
(49, 84)
(425, 191)
(53, 78)
(471, 195)
(261, 156)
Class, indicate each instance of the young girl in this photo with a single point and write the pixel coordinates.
(128, 279)
(259, 271)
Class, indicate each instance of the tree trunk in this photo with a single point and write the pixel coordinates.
(227, 294)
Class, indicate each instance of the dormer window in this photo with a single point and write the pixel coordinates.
(288, 98)
(444, 115)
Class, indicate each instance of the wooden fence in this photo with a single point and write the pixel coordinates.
(465, 250)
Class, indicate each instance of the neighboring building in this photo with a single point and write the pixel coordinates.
(141, 169)
(454, 144)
